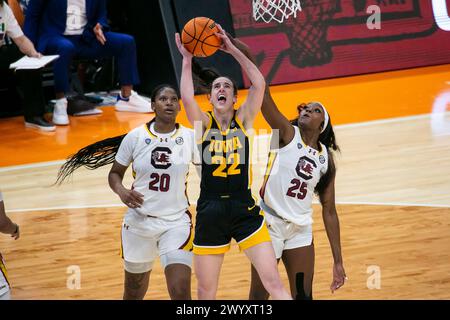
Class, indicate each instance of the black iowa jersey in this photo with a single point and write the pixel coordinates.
(225, 155)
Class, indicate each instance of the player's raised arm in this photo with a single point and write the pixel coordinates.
(247, 112)
(269, 109)
(193, 111)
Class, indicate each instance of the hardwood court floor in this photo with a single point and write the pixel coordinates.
(408, 244)
(392, 189)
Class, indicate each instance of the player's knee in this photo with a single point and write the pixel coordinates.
(206, 289)
(273, 284)
(180, 290)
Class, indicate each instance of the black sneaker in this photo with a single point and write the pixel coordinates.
(80, 105)
(39, 123)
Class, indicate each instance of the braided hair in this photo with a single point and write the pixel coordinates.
(100, 153)
(328, 139)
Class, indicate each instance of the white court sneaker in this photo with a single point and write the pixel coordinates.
(60, 116)
(134, 103)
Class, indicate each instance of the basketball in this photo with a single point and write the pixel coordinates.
(198, 37)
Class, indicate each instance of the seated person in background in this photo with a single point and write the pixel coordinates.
(30, 82)
(78, 28)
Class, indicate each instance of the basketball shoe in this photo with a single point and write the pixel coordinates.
(39, 123)
(133, 103)
(60, 116)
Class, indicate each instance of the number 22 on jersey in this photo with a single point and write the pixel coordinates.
(221, 171)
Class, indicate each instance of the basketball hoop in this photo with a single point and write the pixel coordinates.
(278, 10)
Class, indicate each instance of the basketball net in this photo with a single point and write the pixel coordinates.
(278, 10)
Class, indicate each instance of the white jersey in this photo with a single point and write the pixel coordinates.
(291, 177)
(4, 285)
(160, 169)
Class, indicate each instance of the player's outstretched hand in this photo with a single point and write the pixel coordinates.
(227, 44)
(184, 52)
(339, 277)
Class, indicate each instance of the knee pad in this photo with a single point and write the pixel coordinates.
(176, 256)
(299, 284)
(137, 267)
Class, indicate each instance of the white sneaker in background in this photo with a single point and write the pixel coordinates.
(60, 116)
(134, 103)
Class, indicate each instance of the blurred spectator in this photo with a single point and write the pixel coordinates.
(79, 29)
(30, 83)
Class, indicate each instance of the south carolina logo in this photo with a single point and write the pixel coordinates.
(305, 168)
(161, 158)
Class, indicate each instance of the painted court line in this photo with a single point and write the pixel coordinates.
(259, 137)
(68, 208)
(393, 204)
(31, 166)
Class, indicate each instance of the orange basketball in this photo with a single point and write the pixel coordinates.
(198, 37)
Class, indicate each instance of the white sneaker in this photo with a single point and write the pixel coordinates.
(60, 116)
(134, 103)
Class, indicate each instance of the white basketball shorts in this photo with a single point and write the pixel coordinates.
(287, 235)
(144, 238)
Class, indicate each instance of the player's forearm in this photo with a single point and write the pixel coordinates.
(332, 228)
(115, 182)
(187, 92)
(187, 85)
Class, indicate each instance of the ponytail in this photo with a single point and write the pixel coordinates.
(329, 140)
(93, 156)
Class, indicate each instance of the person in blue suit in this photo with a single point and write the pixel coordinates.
(79, 28)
